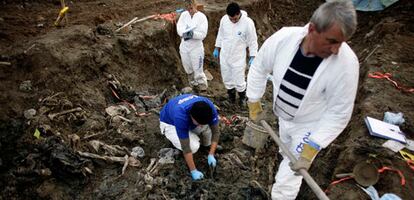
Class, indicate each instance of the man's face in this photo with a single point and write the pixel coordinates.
(324, 44)
(191, 9)
(235, 18)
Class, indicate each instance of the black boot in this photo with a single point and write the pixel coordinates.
(242, 98)
(232, 95)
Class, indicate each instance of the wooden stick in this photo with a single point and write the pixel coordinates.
(5, 63)
(133, 21)
(127, 24)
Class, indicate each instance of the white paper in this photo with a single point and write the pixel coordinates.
(385, 130)
(393, 145)
(410, 144)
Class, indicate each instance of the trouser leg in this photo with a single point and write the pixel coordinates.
(171, 134)
(239, 76)
(293, 135)
(226, 74)
(187, 65)
(197, 62)
(204, 132)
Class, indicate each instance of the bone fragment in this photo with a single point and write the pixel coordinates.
(52, 116)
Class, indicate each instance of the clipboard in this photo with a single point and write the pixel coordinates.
(384, 130)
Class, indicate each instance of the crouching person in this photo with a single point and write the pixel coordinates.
(188, 120)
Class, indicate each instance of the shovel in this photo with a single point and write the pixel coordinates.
(365, 174)
(212, 171)
(309, 180)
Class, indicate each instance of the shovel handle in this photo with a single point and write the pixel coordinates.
(309, 180)
(344, 175)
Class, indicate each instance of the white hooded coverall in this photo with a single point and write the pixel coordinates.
(325, 109)
(192, 50)
(233, 39)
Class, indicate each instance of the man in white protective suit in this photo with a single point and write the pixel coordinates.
(236, 33)
(315, 80)
(192, 27)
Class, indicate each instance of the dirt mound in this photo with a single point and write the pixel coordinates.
(92, 95)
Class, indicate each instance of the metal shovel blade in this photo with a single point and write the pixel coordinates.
(365, 174)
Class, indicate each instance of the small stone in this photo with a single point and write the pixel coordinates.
(148, 187)
(116, 120)
(40, 18)
(45, 172)
(29, 114)
(138, 152)
(187, 90)
(39, 25)
(26, 86)
(208, 75)
(148, 179)
(109, 76)
(104, 29)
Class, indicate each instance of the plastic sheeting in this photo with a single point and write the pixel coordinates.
(372, 5)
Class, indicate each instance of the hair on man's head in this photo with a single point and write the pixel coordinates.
(233, 9)
(201, 112)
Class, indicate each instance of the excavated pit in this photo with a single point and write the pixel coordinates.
(56, 69)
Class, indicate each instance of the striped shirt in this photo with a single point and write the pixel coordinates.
(294, 84)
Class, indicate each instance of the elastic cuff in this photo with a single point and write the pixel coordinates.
(250, 100)
(314, 145)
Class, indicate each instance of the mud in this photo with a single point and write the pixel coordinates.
(82, 64)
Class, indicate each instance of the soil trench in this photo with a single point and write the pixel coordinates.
(81, 103)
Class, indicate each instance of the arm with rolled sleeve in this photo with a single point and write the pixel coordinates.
(340, 105)
(252, 39)
(215, 131)
(184, 138)
(202, 27)
(182, 129)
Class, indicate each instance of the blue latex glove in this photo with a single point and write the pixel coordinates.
(196, 175)
(188, 35)
(211, 160)
(251, 60)
(216, 53)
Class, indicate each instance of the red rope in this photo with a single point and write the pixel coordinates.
(169, 17)
(336, 182)
(388, 76)
(129, 104)
(225, 120)
(394, 170)
(379, 171)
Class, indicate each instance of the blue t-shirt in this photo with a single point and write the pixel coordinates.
(177, 113)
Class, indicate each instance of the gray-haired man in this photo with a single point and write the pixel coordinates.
(315, 79)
